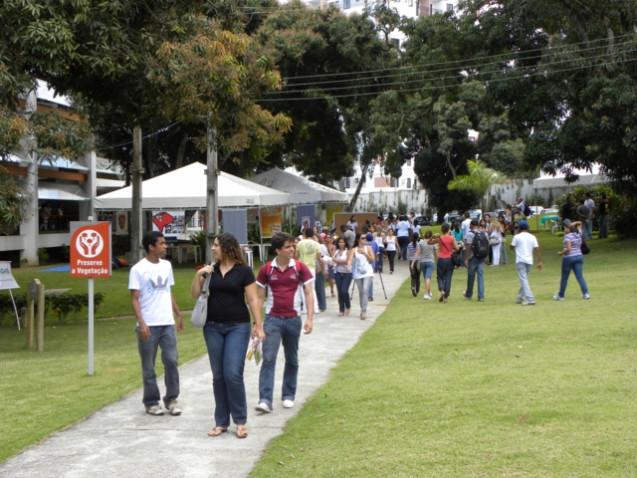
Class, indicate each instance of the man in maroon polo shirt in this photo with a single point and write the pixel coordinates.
(285, 280)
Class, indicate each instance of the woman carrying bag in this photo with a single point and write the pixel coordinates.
(227, 330)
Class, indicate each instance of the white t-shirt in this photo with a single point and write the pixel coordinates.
(465, 226)
(391, 243)
(524, 243)
(362, 268)
(153, 281)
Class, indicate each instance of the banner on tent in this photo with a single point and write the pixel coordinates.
(171, 224)
(270, 221)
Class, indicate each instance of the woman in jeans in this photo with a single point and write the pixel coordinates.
(446, 247)
(227, 330)
(363, 272)
(426, 255)
(572, 259)
(342, 259)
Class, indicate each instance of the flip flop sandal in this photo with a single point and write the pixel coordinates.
(241, 432)
(216, 431)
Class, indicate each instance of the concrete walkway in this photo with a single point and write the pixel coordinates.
(122, 441)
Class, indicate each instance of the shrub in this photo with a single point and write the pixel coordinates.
(65, 306)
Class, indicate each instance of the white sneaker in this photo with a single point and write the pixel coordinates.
(288, 403)
(426, 297)
(586, 296)
(155, 410)
(558, 298)
(263, 407)
(173, 408)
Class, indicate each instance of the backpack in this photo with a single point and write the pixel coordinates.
(297, 270)
(480, 245)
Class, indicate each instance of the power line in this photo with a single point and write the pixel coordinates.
(163, 129)
(547, 50)
(440, 87)
(455, 75)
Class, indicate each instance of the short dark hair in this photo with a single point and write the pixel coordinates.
(309, 232)
(279, 239)
(444, 228)
(150, 239)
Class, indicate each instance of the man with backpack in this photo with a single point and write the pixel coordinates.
(286, 280)
(476, 246)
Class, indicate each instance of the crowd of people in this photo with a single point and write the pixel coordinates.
(294, 284)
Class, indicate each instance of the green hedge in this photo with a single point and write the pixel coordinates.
(60, 308)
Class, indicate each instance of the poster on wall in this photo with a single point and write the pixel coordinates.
(121, 223)
(330, 211)
(271, 220)
(172, 224)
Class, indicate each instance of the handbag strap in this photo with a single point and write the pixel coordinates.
(205, 287)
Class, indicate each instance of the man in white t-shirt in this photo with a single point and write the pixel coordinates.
(150, 281)
(465, 225)
(526, 246)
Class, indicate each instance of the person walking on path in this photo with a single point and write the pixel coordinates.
(403, 233)
(446, 247)
(286, 280)
(390, 248)
(154, 304)
(414, 268)
(572, 259)
(308, 251)
(476, 249)
(227, 330)
(426, 254)
(363, 272)
(526, 246)
(342, 259)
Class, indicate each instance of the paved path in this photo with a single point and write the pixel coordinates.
(122, 441)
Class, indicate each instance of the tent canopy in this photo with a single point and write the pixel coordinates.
(302, 190)
(186, 188)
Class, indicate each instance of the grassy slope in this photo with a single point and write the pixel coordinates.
(491, 389)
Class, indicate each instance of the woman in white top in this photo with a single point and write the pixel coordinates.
(495, 240)
(390, 248)
(342, 259)
(363, 272)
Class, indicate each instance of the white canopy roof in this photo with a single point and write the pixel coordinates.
(302, 190)
(186, 188)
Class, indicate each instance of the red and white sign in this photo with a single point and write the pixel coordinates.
(91, 250)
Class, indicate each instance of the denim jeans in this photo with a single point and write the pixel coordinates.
(603, 226)
(525, 292)
(588, 229)
(415, 276)
(403, 242)
(427, 269)
(575, 264)
(227, 346)
(319, 288)
(162, 336)
(475, 267)
(444, 273)
(280, 330)
(363, 291)
(343, 280)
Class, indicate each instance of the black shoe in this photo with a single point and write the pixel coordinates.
(413, 291)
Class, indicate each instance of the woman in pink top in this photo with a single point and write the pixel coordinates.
(446, 247)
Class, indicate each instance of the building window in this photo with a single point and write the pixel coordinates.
(347, 4)
(408, 183)
(450, 7)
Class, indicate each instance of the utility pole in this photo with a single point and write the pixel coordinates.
(212, 204)
(137, 173)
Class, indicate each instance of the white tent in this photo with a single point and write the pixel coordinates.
(302, 190)
(186, 188)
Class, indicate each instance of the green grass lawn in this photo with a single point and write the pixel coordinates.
(483, 389)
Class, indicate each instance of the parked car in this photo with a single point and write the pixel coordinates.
(536, 210)
(554, 209)
(422, 221)
(475, 214)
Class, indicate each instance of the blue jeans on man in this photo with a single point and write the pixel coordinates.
(475, 267)
(227, 347)
(525, 294)
(162, 336)
(286, 331)
(319, 287)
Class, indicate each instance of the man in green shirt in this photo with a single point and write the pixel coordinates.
(308, 251)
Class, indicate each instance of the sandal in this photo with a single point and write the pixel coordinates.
(241, 431)
(216, 431)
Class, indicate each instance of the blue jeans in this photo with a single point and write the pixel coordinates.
(343, 280)
(280, 330)
(525, 292)
(476, 267)
(575, 264)
(162, 336)
(444, 273)
(588, 229)
(363, 291)
(403, 242)
(427, 269)
(319, 287)
(227, 346)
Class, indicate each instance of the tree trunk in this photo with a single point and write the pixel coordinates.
(352, 202)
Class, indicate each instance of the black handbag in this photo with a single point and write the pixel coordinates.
(456, 258)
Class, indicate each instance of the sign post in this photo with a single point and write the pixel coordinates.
(7, 282)
(90, 251)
